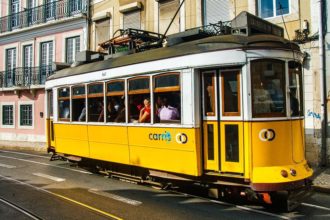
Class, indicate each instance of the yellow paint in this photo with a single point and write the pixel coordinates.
(298, 141)
(179, 150)
(285, 152)
(108, 143)
(72, 139)
(159, 148)
(277, 152)
(50, 142)
(211, 164)
(226, 165)
(85, 205)
(273, 174)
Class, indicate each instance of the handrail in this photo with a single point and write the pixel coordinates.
(42, 14)
(25, 76)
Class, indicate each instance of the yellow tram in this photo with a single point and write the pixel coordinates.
(225, 110)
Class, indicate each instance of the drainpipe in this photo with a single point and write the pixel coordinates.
(322, 89)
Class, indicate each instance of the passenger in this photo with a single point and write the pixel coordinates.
(112, 110)
(168, 112)
(121, 116)
(82, 116)
(100, 108)
(294, 103)
(158, 106)
(145, 112)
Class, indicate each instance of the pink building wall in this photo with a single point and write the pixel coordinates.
(38, 101)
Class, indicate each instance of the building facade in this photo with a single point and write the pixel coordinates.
(34, 34)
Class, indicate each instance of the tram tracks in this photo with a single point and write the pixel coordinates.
(240, 207)
(20, 209)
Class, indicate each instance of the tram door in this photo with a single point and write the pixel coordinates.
(49, 115)
(222, 121)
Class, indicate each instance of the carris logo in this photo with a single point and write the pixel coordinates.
(166, 136)
(181, 138)
(267, 135)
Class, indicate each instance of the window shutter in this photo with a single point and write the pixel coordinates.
(216, 10)
(132, 20)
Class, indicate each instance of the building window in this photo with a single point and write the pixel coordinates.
(72, 47)
(215, 11)
(8, 114)
(14, 9)
(273, 8)
(26, 115)
(10, 66)
(46, 60)
(167, 10)
(102, 31)
(132, 20)
(27, 64)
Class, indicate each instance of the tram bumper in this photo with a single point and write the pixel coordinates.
(286, 196)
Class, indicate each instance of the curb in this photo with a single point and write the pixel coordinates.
(321, 189)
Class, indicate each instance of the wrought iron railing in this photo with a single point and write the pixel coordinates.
(42, 14)
(25, 76)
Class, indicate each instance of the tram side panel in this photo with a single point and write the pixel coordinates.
(168, 149)
(72, 139)
(109, 143)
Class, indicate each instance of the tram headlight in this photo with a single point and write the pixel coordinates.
(293, 172)
(284, 173)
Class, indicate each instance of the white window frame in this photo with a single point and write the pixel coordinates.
(1, 114)
(20, 103)
(23, 44)
(274, 10)
(74, 53)
(70, 35)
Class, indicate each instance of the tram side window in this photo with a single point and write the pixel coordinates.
(167, 98)
(295, 86)
(64, 104)
(268, 88)
(95, 103)
(116, 101)
(139, 109)
(78, 103)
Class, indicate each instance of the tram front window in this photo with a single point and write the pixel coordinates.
(295, 86)
(268, 84)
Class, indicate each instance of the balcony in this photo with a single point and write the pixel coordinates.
(44, 13)
(25, 76)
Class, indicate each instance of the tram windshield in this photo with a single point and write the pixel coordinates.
(295, 86)
(268, 84)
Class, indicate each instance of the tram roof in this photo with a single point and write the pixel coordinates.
(214, 43)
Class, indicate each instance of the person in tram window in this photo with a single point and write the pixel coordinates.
(144, 116)
(82, 116)
(100, 109)
(168, 112)
(294, 103)
(121, 111)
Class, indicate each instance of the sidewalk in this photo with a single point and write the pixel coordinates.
(321, 180)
